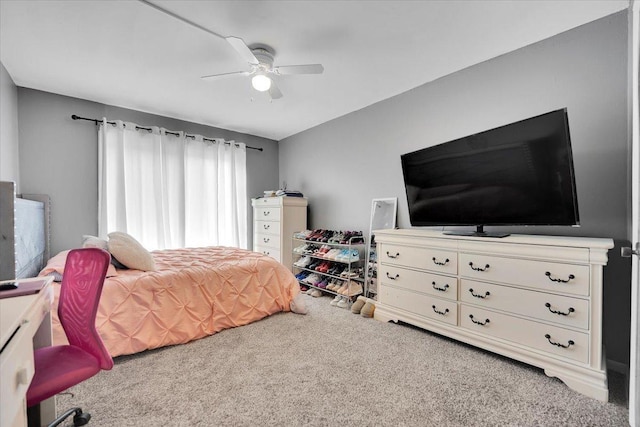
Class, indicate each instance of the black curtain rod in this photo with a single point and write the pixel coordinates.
(96, 121)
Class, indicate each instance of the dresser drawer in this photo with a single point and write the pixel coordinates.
(420, 304)
(273, 253)
(267, 202)
(422, 258)
(428, 283)
(267, 240)
(267, 227)
(539, 336)
(563, 310)
(266, 214)
(555, 277)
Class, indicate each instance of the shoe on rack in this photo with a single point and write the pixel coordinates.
(322, 284)
(343, 303)
(354, 256)
(343, 289)
(356, 307)
(309, 291)
(316, 293)
(335, 301)
(354, 289)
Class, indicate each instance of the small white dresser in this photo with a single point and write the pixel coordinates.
(537, 299)
(275, 219)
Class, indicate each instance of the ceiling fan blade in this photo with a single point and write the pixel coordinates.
(299, 69)
(241, 47)
(274, 91)
(234, 73)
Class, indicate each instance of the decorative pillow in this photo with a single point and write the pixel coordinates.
(130, 252)
(94, 242)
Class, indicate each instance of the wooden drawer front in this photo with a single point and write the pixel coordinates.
(269, 240)
(539, 336)
(266, 214)
(428, 283)
(268, 202)
(16, 371)
(564, 278)
(420, 304)
(273, 253)
(566, 311)
(267, 227)
(423, 258)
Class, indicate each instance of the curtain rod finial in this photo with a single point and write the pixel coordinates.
(74, 117)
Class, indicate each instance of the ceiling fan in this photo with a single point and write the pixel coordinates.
(260, 61)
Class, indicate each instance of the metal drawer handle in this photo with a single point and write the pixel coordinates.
(486, 294)
(266, 226)
(266, 213)
(266, 252)
(571, 310)
(442, 313)
(478, 322)
(392, 278)
(436, 262)
(548, 274)
(266, 239)
(557, 344)
(442, 289)
(393, 256)
(486, 267)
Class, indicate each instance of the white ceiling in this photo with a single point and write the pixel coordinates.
(129, 54)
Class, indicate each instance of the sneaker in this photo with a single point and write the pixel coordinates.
(309, 291)
(316, 293)
(335, 301)
(343, 303)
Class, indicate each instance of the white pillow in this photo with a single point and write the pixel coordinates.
(130, 252)
(94, 242)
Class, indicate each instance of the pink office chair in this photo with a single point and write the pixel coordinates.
(59, 367)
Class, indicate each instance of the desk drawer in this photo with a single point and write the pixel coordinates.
(268, 240)
(273, 253)
(16, 372)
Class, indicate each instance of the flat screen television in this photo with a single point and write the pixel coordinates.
(518, 174)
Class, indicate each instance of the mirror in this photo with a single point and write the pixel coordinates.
(383, 217)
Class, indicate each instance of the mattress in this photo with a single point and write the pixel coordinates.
(193, 293)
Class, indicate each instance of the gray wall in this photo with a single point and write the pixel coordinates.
(8, 129)
(355, 158)
(59, 157)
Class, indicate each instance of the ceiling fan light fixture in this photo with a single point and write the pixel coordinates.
(261, 83)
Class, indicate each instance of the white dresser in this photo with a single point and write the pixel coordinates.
(275, 219)
(537, 299)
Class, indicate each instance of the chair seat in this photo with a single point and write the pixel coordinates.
(57, 368)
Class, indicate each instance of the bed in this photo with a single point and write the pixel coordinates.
(193, 293)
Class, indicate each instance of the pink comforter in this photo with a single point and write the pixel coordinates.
(194, 293)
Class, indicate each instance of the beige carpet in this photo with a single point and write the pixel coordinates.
(334, 368)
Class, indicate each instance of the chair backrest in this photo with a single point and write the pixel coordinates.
(82, 281)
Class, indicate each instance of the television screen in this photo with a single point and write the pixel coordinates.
(517, 174)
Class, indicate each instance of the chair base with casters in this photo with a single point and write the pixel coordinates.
(60, 367)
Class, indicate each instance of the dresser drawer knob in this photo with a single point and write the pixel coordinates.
(571, 310)
(557, 344)
(392, 277)
(266, 213)
(393, 256)
(554, 279)
(478, 322)
(436, 262)
(486, 294)
(441, 289)
(486, 267)
(266, 239)
(441, 313)
(266, 252)
(266, 226)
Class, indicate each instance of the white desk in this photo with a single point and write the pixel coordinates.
(25, 324)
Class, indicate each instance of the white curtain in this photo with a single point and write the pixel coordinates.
(171, 191)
